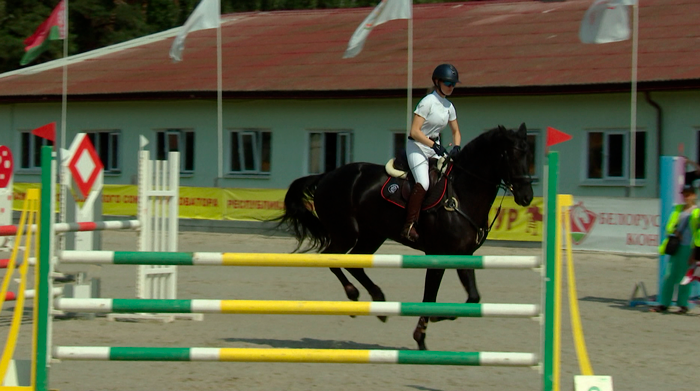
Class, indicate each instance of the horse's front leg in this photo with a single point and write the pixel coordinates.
(468, 279)
(433, 277)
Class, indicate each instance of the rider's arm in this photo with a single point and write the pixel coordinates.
(456, 136)
(416, 133)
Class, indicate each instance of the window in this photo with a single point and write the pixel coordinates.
(608, 155)
(250, 151)
(176, 140)
(106, 144)
(329, 150)
(533, 152)
(399, 142)
(31, 149)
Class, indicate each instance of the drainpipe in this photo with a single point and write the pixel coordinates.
(659, 131)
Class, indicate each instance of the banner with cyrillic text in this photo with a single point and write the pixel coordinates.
(624, 225)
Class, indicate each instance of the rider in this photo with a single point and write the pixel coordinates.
(432, 114)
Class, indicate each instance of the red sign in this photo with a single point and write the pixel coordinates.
(85, 166)
(5, 166)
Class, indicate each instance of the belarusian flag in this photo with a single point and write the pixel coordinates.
(52, 29)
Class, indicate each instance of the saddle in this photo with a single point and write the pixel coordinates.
(397, 188)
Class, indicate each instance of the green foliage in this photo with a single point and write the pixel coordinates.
(98, 23)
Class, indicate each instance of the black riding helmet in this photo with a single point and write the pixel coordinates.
(445, 72)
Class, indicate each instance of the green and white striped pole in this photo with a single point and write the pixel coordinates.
(42, 328)
(300, 260)
(346, 356)
(550, 248)
(288, 307)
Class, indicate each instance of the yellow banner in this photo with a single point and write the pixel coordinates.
(202, 203)
(253, 204)
(516, 222)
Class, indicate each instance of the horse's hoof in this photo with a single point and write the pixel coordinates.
(419, 337)
(352, 293)
(382, 318)
(474, 300)
(440, 318)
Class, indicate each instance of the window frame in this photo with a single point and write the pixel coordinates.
(111, 134)
(394, 135)
(183, 146)
(606, 178)
(536, 153)
(341, 134)
(258, 152)
(31, 149)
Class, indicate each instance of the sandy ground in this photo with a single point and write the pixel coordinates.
(641, 350)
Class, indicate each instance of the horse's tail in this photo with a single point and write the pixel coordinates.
(299, 215)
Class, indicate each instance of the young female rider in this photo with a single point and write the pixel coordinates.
(432, 114)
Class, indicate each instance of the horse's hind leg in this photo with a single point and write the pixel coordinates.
(433, 278)
(341, 244)
(350, 291)
(468, 279)
(368, 245)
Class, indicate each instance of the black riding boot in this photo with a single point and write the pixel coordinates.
(415, 201)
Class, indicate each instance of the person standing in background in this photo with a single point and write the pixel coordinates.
(684, 222)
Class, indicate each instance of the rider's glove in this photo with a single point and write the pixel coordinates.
(455, 151)
(439, 149)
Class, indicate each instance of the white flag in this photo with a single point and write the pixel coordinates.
(606, 21)
(386, 10)
(205, 16)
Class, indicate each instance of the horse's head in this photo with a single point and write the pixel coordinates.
(514, 168)
(500, 157)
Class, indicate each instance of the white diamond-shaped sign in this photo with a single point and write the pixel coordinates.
(84, 165)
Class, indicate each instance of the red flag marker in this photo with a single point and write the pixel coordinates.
(556, 136)
(47, 131)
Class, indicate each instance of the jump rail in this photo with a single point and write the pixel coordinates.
(301, 260)
(296, 355)
(298, 307)
(9, 230)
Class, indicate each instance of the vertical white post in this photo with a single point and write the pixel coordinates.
(158, 212)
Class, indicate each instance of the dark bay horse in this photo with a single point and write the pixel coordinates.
(352, 217)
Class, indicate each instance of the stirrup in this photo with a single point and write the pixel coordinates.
(410, 232)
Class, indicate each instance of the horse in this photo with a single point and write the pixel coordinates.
(341, 211)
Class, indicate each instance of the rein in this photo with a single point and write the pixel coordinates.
(452, 205)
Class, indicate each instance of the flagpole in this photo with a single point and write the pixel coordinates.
(409, 76)
(219, 110)
(633, 100)
(64, 93)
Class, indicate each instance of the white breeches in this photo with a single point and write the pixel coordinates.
(418, 163)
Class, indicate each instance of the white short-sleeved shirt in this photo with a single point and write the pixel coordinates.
(437, 111)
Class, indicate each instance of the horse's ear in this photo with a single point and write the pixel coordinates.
(522, 130)
(501, 128)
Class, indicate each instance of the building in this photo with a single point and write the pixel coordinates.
(293, 106)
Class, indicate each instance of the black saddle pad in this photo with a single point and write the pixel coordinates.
(397, 190)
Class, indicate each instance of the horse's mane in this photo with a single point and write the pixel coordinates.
(491, 137)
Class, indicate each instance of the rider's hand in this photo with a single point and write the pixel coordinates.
(455, 151)
(439, 149)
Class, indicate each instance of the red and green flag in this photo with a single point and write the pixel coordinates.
(53, 28)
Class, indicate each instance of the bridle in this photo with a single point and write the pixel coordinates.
(504, 183)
